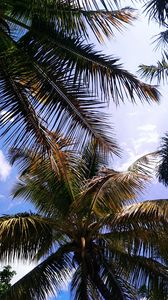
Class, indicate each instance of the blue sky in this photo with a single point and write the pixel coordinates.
(138, 128)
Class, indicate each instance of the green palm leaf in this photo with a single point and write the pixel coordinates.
(88, 66)
(62, 107)
(46, 77)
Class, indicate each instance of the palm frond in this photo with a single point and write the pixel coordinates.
(110, 284)
(88, 63)
(46, 7)
(93, 159)
(154, 211)
(23, 235)
(88, 66)
(91, 4)
(4, 27)
(104, 20)
(146, 164)
(76, 21)
(19, 105)
(163, 166)
(27, 128)
(143, 269)
(158, 72)
(139, 269)
(110, 189)
(147, 240)
(86, 278)
(161, 39)
(62, 108)
(157, 10)
(45, 279)
(47, 99)
(51, 192)
(80, 287)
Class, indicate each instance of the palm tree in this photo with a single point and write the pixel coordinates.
(92, 233)
(158, 10)
(51, 75)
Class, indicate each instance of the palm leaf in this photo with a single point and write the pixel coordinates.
(75, 20)
(110, 284)
(147, 211)
(138, 269)
(45, 98)
(88, 61)
(51, 192)
(158, 72)
(157, 10)
(147, 240)
(161, 39)
(93, 159)
(143, 269)
(146, 164)
(23, 235)
(28, 123)
(62, 107)
(88, 66)
(163, 166)
(45, 279)
(19, 105)
(80, 287)
(110, 189)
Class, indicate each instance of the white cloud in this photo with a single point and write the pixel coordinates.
(133, 113)
(147, 135)
(146, 141)
(132, 157)
(147, 127)
(5, 167)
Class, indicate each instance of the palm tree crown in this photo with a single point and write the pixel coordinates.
(86, 225)
(51, 76)
(90, 230)
(158, 10)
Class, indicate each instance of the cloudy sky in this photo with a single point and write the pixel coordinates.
(138, 128)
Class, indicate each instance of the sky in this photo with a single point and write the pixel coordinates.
(138, 128)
